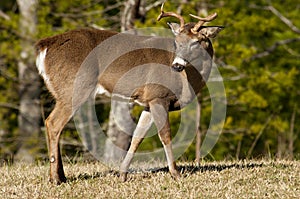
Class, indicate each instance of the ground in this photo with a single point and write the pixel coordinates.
(237, 179)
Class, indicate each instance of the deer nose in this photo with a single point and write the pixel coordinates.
(179, 64)
(178, 67)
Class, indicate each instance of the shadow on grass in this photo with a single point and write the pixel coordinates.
(191, 169)
(185, 170)
(86, 176)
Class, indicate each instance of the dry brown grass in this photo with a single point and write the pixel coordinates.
(251, 179)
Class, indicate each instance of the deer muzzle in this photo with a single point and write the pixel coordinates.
(179, 64)
(177, 67)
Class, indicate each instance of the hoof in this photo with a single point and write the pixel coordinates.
(175, 175)
(57, 181)
(123, 176)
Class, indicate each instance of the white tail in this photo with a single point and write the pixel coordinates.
(72, 74)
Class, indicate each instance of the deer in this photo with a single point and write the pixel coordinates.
(168, 79)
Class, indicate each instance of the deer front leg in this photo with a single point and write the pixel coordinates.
(159, 110)
(139, 133)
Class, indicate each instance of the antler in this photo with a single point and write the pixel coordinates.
(170, 14)
(202, 21)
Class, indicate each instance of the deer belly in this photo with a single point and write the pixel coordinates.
(100, 90)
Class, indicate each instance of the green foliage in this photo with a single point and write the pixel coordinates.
(9, 49)
(267, 86)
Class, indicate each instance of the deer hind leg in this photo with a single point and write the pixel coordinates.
(139, 133)
(159, 110)
(55, 124)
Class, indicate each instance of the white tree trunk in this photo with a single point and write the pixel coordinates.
(29, 84)
(119, 132)
(119, 138)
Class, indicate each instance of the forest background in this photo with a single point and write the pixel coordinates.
(257, 54)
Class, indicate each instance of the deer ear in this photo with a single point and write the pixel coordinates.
(210, 31)
(175, 27)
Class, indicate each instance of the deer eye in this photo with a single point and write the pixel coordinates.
(194, 44)
(178, 44)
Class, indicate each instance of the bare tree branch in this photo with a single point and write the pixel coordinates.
(3, 15)
(259, 135)
(291, 135)
(9, 106)
(239, 74)
(153, 5)
(291, 51)
(6, 75)
(274, 47)
(89, 13)
(235, 131)
(285, 20)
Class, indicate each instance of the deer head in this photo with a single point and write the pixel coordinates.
(190, 38)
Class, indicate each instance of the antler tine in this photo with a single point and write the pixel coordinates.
(202, 21)
(170, 14)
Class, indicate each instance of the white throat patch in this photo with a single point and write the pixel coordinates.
(179, 61)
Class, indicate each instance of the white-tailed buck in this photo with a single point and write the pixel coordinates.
(158, 79)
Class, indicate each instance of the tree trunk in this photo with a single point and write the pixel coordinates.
(291, 135)
(118, 138)
(130, 13)
(202, 11)
(29, 85)
(87, 125)
(199, 134)
(119, 132)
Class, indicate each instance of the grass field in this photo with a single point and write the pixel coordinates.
(241, 179)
